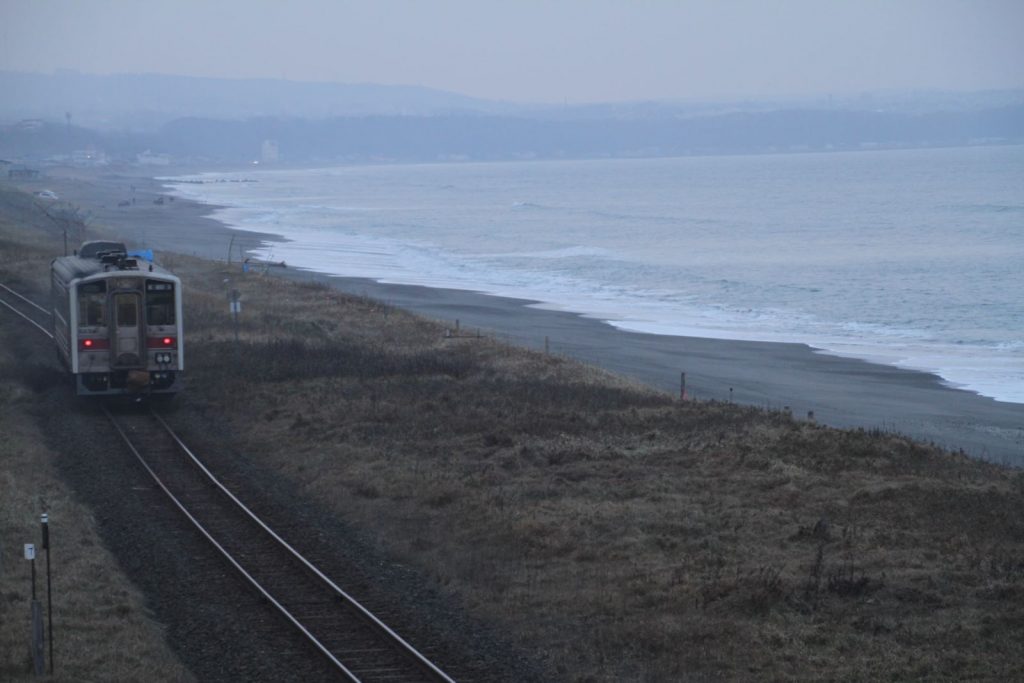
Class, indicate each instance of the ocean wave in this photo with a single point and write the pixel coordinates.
(560, 253)
(352, 209)
(814, 271)
(672, 313)
(988, 208)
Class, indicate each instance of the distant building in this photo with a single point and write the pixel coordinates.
(22, 173)
(29, 124)
(270, 153)
(147, 158)
(90, 156)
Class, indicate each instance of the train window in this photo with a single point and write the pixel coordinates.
(127, 311)
(91, 308)
(159, 303)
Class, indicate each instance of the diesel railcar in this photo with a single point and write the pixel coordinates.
(117, 322)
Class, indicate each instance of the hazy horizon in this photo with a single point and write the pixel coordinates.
(564, 52)
(709, 99)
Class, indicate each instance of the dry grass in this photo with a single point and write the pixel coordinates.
(101, 628)
(607, 528)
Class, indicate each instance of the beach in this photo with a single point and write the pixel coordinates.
(832, 390)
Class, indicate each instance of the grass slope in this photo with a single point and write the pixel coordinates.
(614, 531)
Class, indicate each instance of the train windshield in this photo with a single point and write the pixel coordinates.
(159, 303)
(92, 302)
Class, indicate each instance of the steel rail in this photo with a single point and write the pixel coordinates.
(352, 602)
(19, 313)
(223, 551)
(28, 301)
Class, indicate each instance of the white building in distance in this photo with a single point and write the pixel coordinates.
(270, 152)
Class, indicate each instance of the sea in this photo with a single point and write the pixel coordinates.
(913, 258)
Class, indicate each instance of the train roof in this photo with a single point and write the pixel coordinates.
(99, 258)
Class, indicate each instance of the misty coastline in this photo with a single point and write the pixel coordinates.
(840, 391)
(428, 228)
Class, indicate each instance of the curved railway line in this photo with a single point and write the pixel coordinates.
(19, 304)
(358, 645)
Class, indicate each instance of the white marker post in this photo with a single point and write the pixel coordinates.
(36, 637)
(236, 308)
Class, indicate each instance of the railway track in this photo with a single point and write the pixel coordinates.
(356, 644)
(27, 309)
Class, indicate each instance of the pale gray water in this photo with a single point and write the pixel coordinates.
(911, 258)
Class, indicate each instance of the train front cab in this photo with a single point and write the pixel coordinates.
(128, 336)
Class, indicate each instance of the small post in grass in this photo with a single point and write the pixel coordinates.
(682, 386)
(36, 638)
(236, 308)
(49, 584)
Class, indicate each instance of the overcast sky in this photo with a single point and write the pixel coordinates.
(530, 51)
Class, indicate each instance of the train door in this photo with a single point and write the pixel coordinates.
(128, 346)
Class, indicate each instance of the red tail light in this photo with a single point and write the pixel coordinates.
(161, 343)
(93, 344)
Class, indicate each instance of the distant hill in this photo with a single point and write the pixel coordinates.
(224, 120)
(145, 101)
(481, 137)
(492, 137)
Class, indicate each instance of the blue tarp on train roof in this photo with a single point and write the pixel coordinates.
(142, 253)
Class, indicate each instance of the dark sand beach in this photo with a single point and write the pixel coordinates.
(842, 392)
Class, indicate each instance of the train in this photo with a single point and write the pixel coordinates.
(117, 322)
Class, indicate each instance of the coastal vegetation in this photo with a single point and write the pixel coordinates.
(611, 530)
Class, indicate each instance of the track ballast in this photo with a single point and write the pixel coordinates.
(354, 641)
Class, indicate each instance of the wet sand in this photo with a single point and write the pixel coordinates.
(842, 392)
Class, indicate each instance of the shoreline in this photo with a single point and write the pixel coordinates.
(841, 391)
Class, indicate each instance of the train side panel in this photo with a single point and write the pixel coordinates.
(60, 297)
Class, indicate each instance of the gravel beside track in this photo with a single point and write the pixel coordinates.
(215, 622)
(220, 629)
(362, 647)
(467, 649)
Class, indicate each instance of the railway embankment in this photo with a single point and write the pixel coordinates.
(102, 626)
(609, 531)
